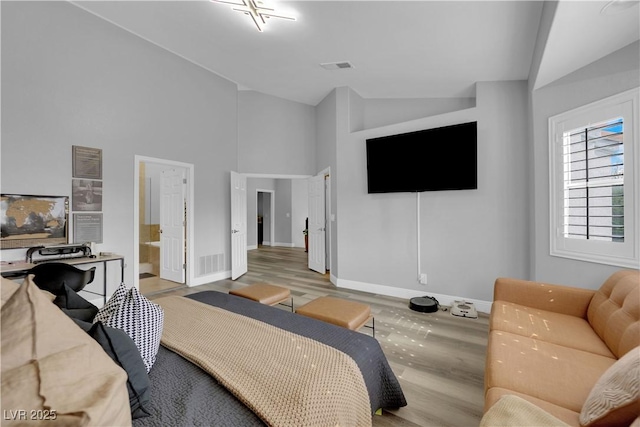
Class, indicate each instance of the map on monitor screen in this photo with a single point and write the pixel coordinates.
(28, 220)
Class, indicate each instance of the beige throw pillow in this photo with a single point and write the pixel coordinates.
(7, 288)
(52, 372)
(615, 398)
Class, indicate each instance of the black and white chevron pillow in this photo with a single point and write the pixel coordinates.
(141, 319)
(112, 305)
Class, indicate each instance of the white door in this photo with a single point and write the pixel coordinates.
(172, 225)
(238, 225)
(317, 221)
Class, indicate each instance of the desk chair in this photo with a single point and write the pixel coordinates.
(51, 276)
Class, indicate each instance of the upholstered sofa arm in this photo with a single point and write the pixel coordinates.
(544, 296)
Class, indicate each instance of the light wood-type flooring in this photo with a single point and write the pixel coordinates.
(438, 358)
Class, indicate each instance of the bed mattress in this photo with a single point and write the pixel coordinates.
(183, 394)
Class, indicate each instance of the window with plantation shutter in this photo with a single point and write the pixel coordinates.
(593, 177)
(594, 182)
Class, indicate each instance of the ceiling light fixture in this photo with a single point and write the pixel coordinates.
(257, 10)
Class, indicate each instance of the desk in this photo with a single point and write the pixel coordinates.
(21, 269)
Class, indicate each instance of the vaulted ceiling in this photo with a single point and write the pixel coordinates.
(398, 49)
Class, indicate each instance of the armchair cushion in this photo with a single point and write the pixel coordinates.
(547, 326)
(527, 366)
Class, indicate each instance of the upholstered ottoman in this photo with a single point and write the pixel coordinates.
(265, 294)
(348, 314)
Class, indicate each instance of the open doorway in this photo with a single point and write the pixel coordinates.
(163, 237)
(289, 205)
(265, 217)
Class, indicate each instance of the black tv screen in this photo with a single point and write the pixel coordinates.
(438, 159)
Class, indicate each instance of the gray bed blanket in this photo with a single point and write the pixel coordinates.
(184, 395)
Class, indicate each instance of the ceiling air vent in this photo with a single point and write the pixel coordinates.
(336, 65)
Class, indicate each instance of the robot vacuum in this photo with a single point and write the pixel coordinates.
(464, 309)
(424, 304)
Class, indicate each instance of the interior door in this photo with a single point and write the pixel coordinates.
(239, 264)
(172, 225)
(317, 224)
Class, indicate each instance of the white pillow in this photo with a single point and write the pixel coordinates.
(140, 318)
(615, 398)
(511, 410)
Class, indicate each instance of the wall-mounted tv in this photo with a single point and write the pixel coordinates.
(438, 159)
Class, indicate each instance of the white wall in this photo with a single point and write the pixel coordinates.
(608, 76)
(69, 78)
(468, 237)
(326, 157)
(384, 112)
(283, 213)
(269, 126)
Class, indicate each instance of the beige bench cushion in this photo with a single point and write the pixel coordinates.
(263, 293)
(348, 314)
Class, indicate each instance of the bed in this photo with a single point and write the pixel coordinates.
(56, 366)
(184, 394)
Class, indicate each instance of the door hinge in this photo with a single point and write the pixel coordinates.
(184, 180)
(184, 266)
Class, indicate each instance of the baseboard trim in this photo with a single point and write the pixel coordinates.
(221, 275)
(371, 288)
(284, 245)
(447, 300)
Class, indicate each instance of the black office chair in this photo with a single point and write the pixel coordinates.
(51, 276)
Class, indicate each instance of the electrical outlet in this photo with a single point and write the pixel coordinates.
(423, 279)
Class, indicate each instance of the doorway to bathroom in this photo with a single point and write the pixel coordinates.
(162, 237)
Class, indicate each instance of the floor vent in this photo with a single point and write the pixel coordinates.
(211, 264)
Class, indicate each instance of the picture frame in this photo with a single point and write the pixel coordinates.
(86, 162)
(87, 227)
(86, 195)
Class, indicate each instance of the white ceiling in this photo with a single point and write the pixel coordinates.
(400, 49)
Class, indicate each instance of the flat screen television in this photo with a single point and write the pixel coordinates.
(28, 220)
(437, 159)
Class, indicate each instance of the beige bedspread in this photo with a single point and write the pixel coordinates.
(285, 378)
